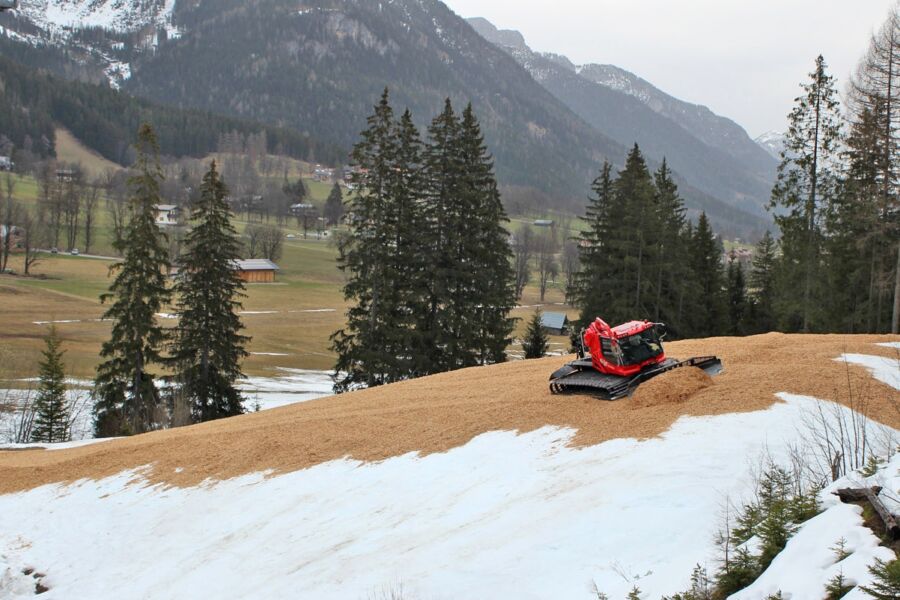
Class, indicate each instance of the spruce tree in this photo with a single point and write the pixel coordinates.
(670, 253)
(762, 285)
(491, 288)
(887, 580)
(446, 214)
(737, 297)
(593, 287)
(806, 182)
(536, 341)
(334, 206)
(633, 238)
(382, 258)
(859, 251)
(708, 305)
(51, 421)
(126, 399)
(207, 347)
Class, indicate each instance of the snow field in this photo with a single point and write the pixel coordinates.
(293, 386)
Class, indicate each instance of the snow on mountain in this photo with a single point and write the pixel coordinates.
(772, 142)
(613, 77)
(104, 34)
(123, 16)
(507, 515)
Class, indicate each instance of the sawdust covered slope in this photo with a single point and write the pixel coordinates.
(438, 413)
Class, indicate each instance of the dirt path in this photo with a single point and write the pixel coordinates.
(445, 411)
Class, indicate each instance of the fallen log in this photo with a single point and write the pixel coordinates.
(870, 495)
(848, 495)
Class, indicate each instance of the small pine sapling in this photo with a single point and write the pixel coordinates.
(840, 550)
(872, 465)
(887, 580)
(536, 342)
(838, 587)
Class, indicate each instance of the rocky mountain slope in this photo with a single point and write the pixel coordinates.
(772, 142)
(709, 151)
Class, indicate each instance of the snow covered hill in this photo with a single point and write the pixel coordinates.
(503, 501)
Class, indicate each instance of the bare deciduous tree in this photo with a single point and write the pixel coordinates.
(523, 247)
(10, 215)
(91, 198)
(548, 268)
(875, 88)
(34, 236)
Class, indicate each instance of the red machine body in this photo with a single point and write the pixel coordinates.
(626, 349)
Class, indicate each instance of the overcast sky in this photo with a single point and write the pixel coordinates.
(743, 59)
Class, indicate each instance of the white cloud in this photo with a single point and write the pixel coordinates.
(744, 60)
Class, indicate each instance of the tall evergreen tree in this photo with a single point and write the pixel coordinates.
(762, 285)
(737, 297)
(445, 217)
(593, 286)
(378, 343)
(708, 304)
(807, 180)
(492, 286)
(51, 422)
(634, 238)
(670, 252)
(334, 206)
(126, 399)
(207, 347)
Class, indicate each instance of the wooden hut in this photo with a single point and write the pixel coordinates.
(257, 270)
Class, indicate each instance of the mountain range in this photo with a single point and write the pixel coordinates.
(318, 66)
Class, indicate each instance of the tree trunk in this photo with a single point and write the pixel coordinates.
(895, 320)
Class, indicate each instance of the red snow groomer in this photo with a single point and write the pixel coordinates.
(620, 359)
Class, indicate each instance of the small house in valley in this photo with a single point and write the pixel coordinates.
(166, 214)
(555, 323)
(257, 270)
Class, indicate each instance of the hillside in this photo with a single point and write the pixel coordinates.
(481, 471)
(319, 69)
(711, 153)
(34, 104)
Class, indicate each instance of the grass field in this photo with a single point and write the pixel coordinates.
(289, 321)
(70, 150)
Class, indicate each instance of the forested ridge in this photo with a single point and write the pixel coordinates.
(33, 103)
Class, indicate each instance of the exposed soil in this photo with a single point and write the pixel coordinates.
(445, 411)
(673, 387)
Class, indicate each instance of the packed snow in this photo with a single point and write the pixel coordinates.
(885, 370)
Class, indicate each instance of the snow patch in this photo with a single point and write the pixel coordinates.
(885, 370)
(808, 562)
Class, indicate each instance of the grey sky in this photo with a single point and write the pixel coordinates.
(744, 59)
